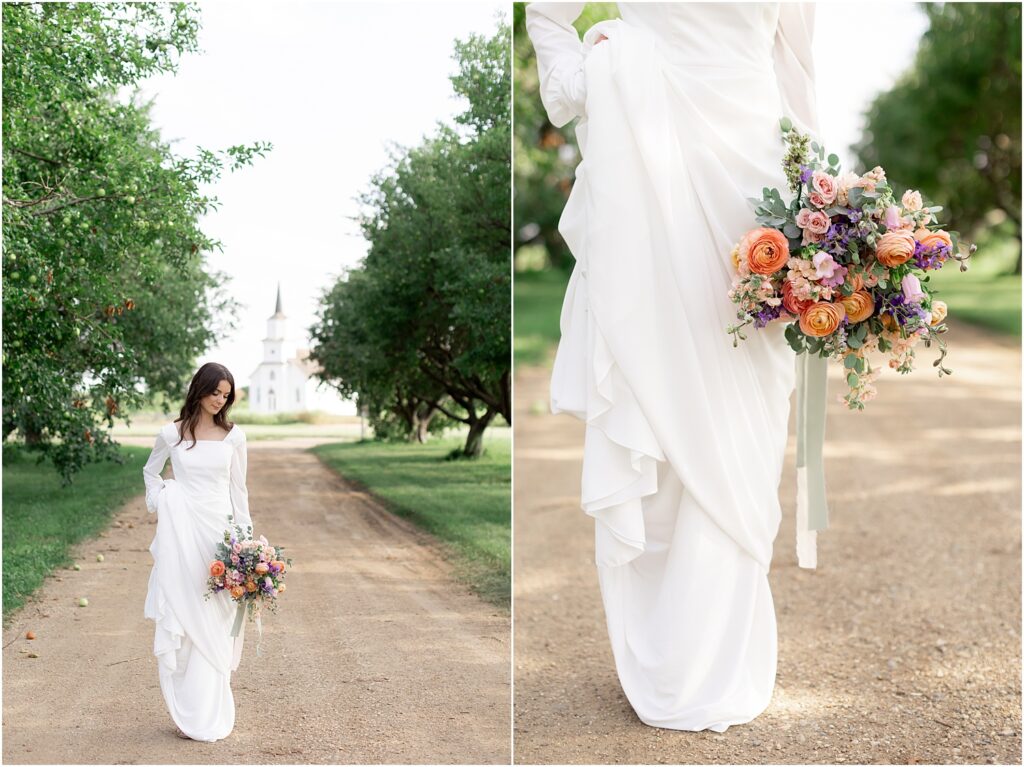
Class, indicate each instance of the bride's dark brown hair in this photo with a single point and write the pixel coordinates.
(205, 382)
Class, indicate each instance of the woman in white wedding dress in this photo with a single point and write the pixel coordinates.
(678, 107)
(194, 647)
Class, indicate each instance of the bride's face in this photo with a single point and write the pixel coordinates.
(212, 403)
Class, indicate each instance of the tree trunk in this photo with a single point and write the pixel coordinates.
(475, 439)
(421, 433)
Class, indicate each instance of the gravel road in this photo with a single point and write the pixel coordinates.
(375, 655)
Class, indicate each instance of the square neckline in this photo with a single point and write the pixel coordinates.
(223, 439)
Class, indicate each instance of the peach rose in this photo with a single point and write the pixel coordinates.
(262, 568)
(912, 201)
(279, 564)
(930, 239)
(856, 279)
(217, 569)
(845, 183)
(821, 318)
(895, 248)
(250, 586)
(859, 305)
(237, 591)
(825, 186)
(889, 322)
(281, 588)
(790, 302)
(939, 311)
(736, 258)
(765, 250)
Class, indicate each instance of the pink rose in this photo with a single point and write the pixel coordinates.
(825, 185)
(235, 559)
(817, 200)
(912, 289)
(236, 548)
(803, 218)
(818, 222)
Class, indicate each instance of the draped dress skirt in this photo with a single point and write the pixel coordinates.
(685, 433)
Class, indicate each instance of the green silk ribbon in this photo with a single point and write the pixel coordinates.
(812, 505)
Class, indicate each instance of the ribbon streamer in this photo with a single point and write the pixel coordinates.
(811, 501)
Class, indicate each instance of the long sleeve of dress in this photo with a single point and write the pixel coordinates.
(151, 471)
(560, 55)
(794, 65)
(238, 489)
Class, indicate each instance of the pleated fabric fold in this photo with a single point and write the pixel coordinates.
(195, 651)
(685, 433)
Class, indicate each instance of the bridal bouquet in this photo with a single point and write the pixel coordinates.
(251, 571)
(844, 263)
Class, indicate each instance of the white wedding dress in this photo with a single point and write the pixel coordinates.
(685, 435)
(193, 645)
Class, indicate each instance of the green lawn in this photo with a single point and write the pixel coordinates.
(537, 306)
(466, 504)
(41, 520)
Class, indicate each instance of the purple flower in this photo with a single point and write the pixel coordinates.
(766, 314)
(805, 174)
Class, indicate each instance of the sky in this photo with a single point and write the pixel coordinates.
(331, 85)
(859, 50)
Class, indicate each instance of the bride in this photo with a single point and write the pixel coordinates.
(194, 647)
(678, 107)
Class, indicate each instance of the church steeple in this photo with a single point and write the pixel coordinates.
(278, 312)
(276, 308)
(273, 344)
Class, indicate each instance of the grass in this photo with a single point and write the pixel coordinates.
(465, 503)
(42, 520)
(538, 305)
(986, 294)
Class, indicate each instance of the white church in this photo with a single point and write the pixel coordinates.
(287, 385)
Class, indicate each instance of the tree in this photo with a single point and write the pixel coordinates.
(105, 285)
(429, 309)
(951, 125)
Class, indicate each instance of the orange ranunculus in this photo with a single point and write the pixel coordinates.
(237, 591)
(279, 564)
(791, 303)
(931, 239)
(765, 250)
(217, 569)
(939, 311)
(821, 318)
(895, 248)
(250, 586)
(859, 305)
(263, 568)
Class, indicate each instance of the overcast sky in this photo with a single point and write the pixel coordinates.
(332, 84)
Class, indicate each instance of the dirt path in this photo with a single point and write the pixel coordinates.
(904, 646)
(375, 655)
